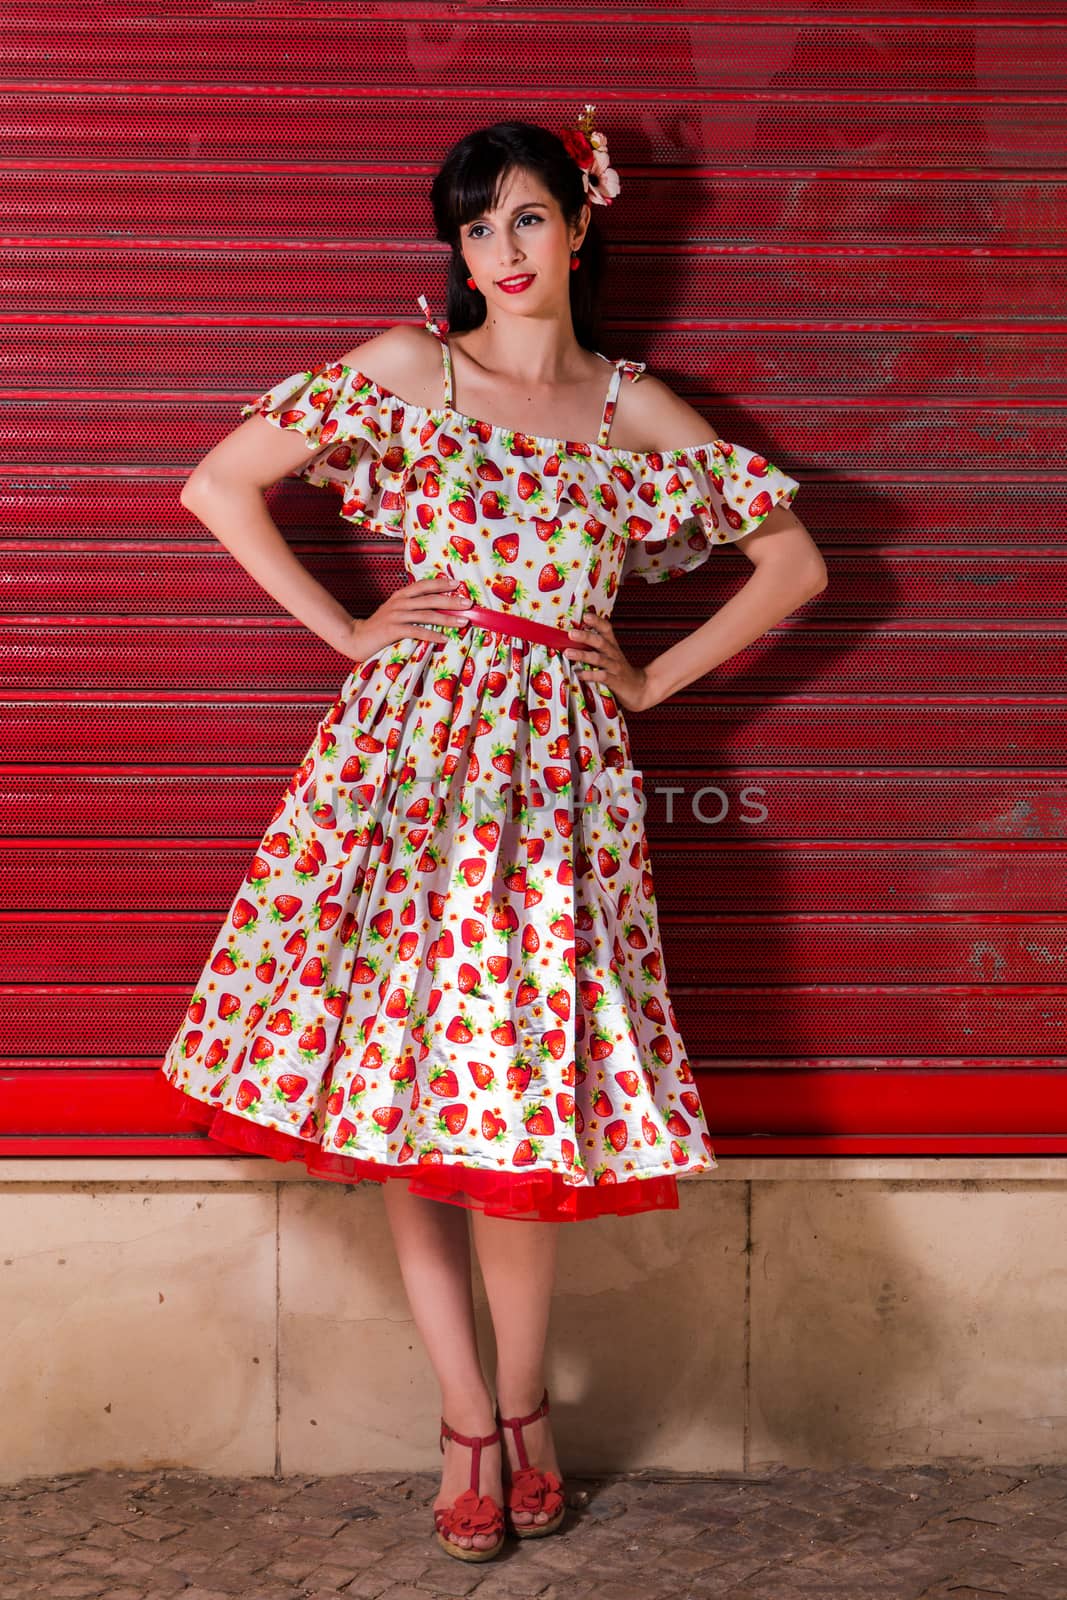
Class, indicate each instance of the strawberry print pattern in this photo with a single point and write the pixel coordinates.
(444, 962)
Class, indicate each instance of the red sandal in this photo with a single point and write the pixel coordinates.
(470, 1513)
(530, 1489)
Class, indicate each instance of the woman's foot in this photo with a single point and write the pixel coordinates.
(475, 1422)
(540, 1447)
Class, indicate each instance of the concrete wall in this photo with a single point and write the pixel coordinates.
(235, 1317)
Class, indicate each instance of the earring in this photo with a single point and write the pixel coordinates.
(574, 261)
(471, 284)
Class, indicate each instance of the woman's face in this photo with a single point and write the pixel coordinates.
(526, 236)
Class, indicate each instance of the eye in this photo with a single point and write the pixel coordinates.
(534, 215)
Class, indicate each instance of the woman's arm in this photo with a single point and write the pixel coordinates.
(789, 571)
(225, 492)
(789, 568)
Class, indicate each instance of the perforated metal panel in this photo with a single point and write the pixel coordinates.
(841, 237)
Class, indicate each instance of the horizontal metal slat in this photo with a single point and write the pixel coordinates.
(852, 658)
(164, 950)
(1017, 508)
(678, 201)
(709, 876)
(48, 581)
(361, 125)
(701, 803)
(394, 45)
(226, 734)
(792, 284)
(752, 1099)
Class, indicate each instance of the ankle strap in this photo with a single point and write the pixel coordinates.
(475, 1444)
(520, 1422)
(462, 1438)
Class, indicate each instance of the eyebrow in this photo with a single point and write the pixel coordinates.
(526, 206)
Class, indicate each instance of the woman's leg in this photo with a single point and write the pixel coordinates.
(432, 1241)
(518, 1266)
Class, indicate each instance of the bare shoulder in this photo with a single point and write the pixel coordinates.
(650, 412)
(405, 359)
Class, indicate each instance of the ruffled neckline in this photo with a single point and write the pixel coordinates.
(572, 447)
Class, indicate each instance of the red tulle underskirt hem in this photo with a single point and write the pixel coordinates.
(526, 1196)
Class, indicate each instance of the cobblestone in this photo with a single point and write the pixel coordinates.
(916, 1533)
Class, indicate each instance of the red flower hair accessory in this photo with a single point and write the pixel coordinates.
(590, 149)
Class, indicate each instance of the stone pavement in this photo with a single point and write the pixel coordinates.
(935, 1532)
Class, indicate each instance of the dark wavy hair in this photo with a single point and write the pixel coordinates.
(469, 182)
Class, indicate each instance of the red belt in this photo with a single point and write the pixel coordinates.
(523, 627)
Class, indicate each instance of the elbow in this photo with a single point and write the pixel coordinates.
(203, 488)
(196, 497)
(818, 578)
(191, 493)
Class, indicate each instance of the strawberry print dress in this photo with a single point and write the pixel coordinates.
(443, 965)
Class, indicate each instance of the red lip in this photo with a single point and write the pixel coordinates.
(513, 285)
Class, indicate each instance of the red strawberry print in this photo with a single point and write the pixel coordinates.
(443, 963)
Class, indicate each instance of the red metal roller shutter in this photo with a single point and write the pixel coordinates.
(841, 237)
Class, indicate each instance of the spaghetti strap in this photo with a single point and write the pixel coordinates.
(446, 354)
(609, 404)
(633, 370)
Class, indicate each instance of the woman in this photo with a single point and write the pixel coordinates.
(444, 966)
